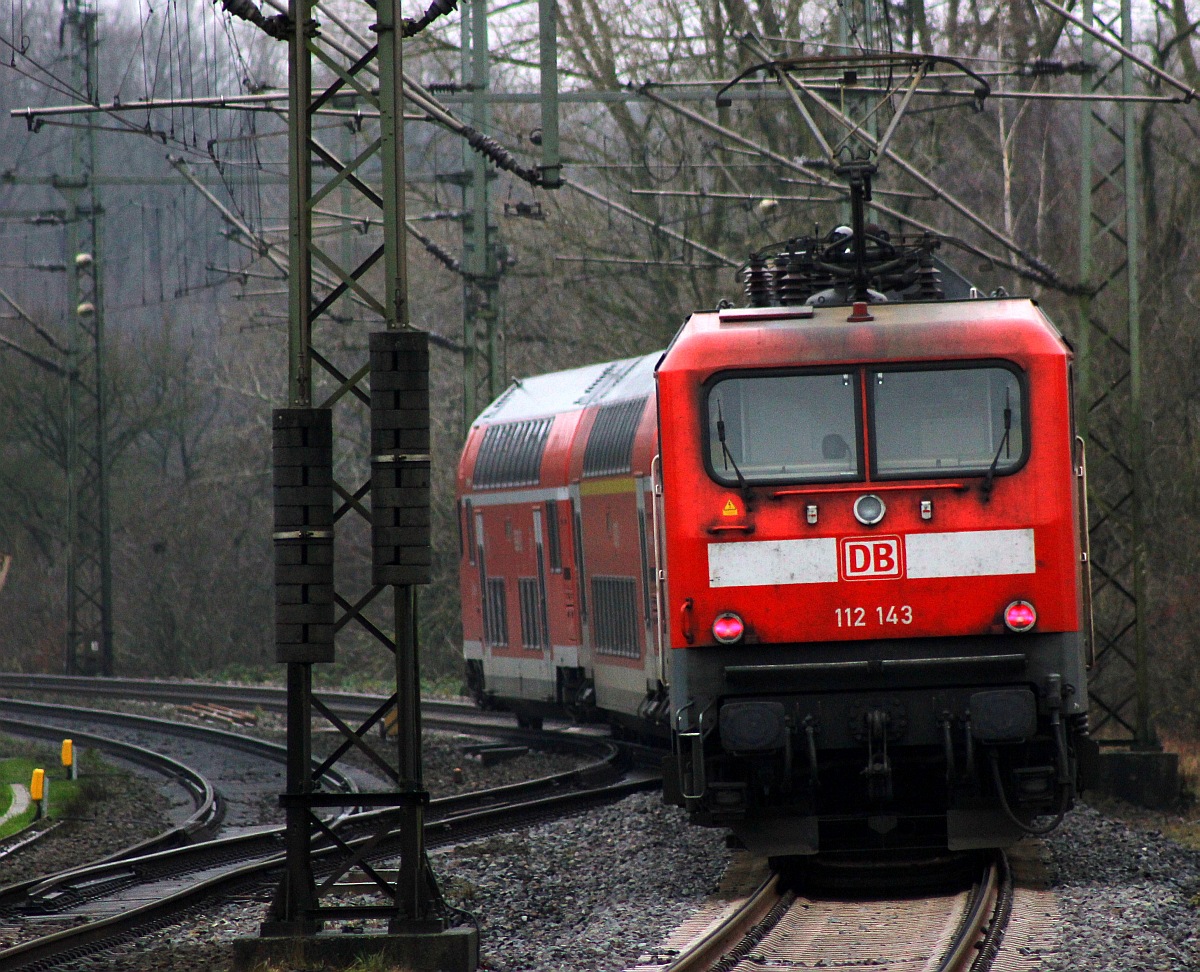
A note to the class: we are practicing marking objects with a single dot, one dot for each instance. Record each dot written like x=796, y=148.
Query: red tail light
x=1020, y=616
x=728, y=628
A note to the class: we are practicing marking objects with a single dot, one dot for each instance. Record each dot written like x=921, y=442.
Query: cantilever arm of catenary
x=1188, y=92
x=257, y=243
x=37, y=328
x=1039, y=274
x=269, y=250
x=419, y=96
x=646, y=221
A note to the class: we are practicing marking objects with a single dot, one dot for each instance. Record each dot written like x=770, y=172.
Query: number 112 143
x=860, y=617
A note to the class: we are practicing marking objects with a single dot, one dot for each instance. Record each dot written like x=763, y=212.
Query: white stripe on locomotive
x=970, y=553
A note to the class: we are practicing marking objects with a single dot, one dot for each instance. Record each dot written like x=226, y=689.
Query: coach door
x=495, y=606
x=540, y=621
x=585, y=641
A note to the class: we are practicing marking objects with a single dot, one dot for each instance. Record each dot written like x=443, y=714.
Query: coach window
x=946, y=421
x=553, y=544
x=784, y=428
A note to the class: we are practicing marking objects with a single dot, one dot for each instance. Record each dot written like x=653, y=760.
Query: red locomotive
x=836, y=551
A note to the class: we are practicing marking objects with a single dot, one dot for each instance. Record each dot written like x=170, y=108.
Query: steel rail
x=989, y=945
x=267, y=696
x=707, y=950
x=208, y=811
x=435, y=713
x=973, y=944
x=61, y=891
x=608, y=755
x=982, y=909
x=228, y=740
x=47, y=952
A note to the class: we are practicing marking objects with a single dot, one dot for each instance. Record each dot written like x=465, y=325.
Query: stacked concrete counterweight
x=303, y=463
x=400, y=518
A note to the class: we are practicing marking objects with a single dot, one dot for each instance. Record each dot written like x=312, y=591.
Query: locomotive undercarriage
x=916, y=747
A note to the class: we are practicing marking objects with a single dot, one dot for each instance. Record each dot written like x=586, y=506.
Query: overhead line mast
x=89, y=648
x=318, y=475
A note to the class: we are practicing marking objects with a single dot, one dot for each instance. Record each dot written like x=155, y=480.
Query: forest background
x=196, y=320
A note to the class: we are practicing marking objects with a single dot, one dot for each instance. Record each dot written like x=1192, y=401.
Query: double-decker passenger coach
x=557, y=572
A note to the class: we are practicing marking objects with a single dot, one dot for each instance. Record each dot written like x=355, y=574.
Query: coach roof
x=566, y=391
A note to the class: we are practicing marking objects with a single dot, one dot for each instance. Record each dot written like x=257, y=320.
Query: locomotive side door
x=645, y=497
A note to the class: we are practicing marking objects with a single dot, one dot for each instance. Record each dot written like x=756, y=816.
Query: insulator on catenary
x=501, y=157
x=1044, y=67
x=402, y=552
x=303, y=461
x=446, y=258
x=277, y=26
x=439, y=8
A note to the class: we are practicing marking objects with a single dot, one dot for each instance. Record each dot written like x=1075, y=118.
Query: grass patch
x=1189, y=762
x=444, y=687
x=65, y=796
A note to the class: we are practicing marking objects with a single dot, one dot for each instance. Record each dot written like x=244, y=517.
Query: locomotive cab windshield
x=922, y=423
x=784, y=428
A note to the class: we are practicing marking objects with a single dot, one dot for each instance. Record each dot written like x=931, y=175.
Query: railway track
x=761, y=921
x=208, y=807
x=112, y=902
x=268, y=697
x=254, y=773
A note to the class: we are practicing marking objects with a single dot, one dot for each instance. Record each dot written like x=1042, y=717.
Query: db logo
x=869, y=558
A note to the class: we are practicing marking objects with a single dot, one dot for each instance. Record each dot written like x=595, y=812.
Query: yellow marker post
x=37, y=792
x=68, y=759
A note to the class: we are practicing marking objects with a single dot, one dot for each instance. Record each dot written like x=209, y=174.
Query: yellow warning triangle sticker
x=730, y=508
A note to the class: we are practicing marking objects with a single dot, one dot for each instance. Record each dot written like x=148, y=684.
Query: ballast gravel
x=1129, y=899
x=593, y=892
x=590, y=893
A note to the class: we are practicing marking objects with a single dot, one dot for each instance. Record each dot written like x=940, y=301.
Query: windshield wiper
x=729, y=460
x=990, y=479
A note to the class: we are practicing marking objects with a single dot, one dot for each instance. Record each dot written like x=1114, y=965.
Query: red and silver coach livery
x=833, y=547
x=557, y=571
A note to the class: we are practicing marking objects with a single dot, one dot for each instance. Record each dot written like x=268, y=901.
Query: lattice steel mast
x=89, y=648
x=482, y=380
x=1110, y=388
x=308, y=604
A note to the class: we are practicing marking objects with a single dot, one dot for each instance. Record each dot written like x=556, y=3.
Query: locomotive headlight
x=1020, y=616
x=869, y=509
x=728, y=628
